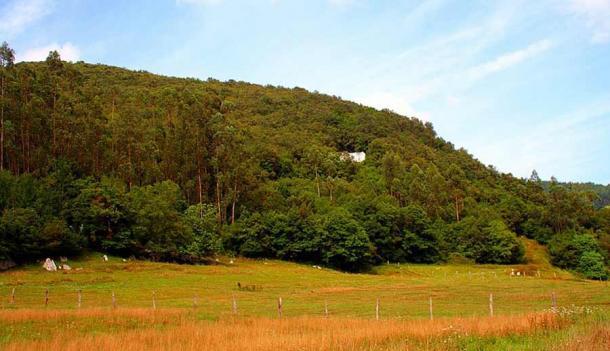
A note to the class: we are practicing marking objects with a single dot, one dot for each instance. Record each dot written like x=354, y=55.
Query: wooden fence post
x=154, y=300
x=195, y=301
x=491, y=305
x=46, y=297
x=13, y=297
x=326, y=308
x=113, y=300
x=80, y=298
x=430, y=306
x=234, y=305
x=279, y=307
x=377, y=309
x=554, y=302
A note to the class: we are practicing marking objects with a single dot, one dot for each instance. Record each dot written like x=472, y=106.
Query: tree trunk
x=317, y=181
x=457, y=209
x=234, y=201
x=53, y=132
x=199, y=185
x=2, y=129
x=218, y=200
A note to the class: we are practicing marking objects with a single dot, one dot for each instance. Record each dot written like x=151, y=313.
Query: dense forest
x=600, y=193
x=101, y=158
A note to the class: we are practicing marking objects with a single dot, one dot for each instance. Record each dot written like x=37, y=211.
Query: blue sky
x=520, y=84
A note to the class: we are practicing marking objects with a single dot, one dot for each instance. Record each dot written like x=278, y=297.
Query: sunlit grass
x=187, y=294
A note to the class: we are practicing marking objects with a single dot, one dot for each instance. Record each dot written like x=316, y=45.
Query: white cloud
x=443, y=74
x=453, y=100
x=391, y=101
x=567, y=146
x=596, y=14
x=341, y=2
x=67, y=51
x=510, y=59
x=198, y=2
x=17, y=15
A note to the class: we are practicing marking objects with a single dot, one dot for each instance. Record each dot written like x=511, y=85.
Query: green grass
x=403, y=290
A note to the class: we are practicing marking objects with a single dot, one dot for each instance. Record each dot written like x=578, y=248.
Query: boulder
x=66, y=267
x=105, y=258
x=49, y=265
x=7, y=264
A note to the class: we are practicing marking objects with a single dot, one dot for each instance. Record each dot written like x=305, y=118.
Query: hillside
x=172, y=169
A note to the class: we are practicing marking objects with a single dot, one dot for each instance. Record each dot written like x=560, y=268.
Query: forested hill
x=174, y=169
x=601, y=193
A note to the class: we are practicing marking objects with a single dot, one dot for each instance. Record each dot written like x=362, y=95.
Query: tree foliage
x=173, y=169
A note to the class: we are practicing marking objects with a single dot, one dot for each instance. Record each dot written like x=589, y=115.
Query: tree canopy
x=175, y=169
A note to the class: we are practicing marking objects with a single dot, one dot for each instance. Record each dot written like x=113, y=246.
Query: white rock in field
x=66, y=267
x=49, y=265
x=105, y=258
x=231, y=262
x=124, y=260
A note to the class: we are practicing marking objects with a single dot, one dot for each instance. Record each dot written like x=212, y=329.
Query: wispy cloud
x=446, y=78
x=17, y=15
x=341, y=2
x=442, y=65
x=67, y=51
x=198, y=2
x=596, y=14
x=389, y=100
x=510, y=59
x=566, y=144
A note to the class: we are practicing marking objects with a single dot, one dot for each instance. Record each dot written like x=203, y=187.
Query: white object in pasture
x=49, y=265
x=105, y=258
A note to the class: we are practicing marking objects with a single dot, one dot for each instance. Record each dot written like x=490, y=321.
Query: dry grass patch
x=302, y=333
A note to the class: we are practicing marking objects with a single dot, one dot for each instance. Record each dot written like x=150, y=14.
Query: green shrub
x=591, y=265
x=567, y=248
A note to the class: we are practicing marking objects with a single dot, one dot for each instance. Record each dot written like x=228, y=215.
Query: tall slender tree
x=7, y=59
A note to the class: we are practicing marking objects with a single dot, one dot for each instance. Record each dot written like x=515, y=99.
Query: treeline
x=599, y=193
x=180, y=169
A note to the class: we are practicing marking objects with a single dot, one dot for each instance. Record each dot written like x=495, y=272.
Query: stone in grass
x=7, y=264
x=49, y=265
x=66, y=267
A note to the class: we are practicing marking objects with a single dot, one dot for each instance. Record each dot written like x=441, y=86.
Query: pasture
x=321, y=308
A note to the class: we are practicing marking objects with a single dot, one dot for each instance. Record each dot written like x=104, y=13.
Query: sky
x=521, y=85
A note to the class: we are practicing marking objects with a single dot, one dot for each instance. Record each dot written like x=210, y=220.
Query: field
x=203, y=305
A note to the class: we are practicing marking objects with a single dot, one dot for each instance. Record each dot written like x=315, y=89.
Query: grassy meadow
x=195, y=304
